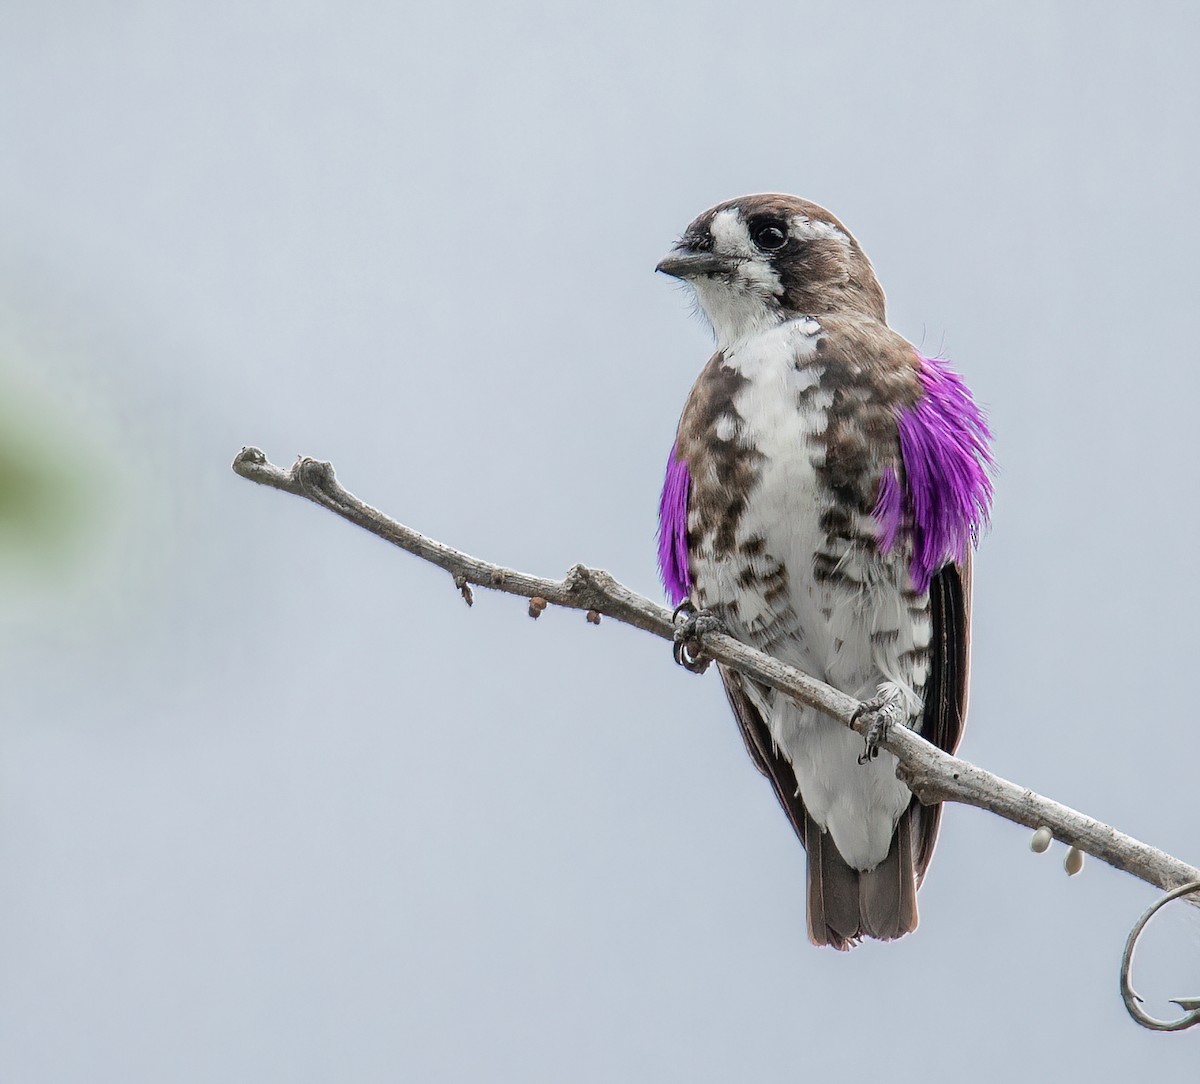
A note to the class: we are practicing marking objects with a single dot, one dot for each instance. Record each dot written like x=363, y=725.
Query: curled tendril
x=1191, y=1005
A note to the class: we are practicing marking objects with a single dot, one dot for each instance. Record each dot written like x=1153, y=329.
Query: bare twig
x=933, y=776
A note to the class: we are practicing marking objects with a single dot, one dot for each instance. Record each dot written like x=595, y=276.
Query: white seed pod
x=1073, y=863
x=1041, y=840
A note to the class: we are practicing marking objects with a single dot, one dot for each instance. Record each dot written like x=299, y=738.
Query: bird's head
x=759, y=260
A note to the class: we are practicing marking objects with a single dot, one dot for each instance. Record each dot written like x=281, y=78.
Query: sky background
x=275, y=805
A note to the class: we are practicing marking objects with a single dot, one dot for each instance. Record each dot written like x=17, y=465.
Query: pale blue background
x=275, y=805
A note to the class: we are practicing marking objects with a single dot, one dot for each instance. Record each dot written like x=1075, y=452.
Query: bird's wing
x=944, y=501
x=946, y=690
x=761, y=748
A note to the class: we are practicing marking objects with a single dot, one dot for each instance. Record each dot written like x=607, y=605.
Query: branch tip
x=249, y=457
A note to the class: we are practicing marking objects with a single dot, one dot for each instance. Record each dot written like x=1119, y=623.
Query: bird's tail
x=846, y=905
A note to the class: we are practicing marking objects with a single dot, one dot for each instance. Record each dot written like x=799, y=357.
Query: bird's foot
x=884, y=710
x=690, y=625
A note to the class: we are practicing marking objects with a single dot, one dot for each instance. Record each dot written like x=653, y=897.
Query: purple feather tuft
x=672, y=531
x=889, y=508
x=947, y=489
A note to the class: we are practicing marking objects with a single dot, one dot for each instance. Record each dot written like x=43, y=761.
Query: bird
x=823, y=497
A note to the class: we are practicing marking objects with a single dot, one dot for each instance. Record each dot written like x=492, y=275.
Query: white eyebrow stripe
x=811, y=229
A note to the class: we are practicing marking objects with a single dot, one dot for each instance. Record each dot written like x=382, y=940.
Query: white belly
x=824, y=629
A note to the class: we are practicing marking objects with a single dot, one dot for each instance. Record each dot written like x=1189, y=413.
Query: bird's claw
x=885, y=711
x=690, y=625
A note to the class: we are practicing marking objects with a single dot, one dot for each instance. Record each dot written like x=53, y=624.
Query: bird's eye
x=769, y=236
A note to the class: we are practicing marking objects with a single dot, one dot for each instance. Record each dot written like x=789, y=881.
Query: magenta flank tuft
x=889, y=508
x=947, y=491
x=672, y=531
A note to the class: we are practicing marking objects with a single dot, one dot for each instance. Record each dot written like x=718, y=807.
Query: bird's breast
x=781, y=536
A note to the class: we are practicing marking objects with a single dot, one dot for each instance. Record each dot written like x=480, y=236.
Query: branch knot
x=313, y=475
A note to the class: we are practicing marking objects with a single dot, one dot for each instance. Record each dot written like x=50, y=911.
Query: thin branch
x=931, y=774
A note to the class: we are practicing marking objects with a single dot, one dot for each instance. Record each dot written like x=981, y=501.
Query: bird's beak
x=683, y=262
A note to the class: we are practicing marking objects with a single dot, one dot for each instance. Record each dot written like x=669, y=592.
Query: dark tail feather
x=833, y=915
x=845, y=905
x=888, y=893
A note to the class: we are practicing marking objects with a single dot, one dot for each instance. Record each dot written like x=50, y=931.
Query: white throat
x=737, y=311
x=743, y=303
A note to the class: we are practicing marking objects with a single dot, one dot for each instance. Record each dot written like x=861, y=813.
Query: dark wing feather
x=946, y=691
x=762, y=750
